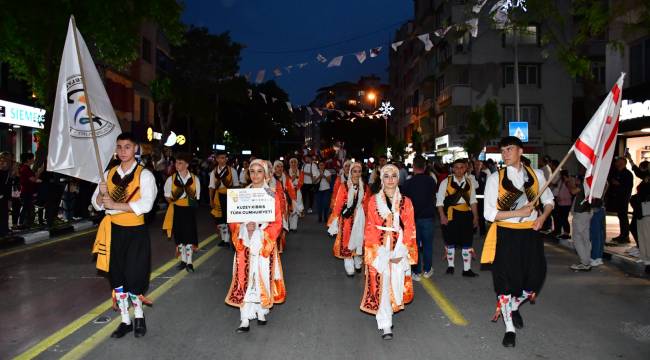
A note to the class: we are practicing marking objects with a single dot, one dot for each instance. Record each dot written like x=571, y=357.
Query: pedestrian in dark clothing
x=421, y=189
x=620, y=190
x=28, y=187
x=5, y=192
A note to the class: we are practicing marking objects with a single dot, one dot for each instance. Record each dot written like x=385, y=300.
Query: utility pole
x=516, y=72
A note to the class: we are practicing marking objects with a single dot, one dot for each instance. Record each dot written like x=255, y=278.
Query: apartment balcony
x=457, y=95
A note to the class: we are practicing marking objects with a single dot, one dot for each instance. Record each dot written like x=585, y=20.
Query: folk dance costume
x=122, y=244
x=283, y=187
x=455, y=197
x=514, y=249
x=347, y=222
x=257, y=278
x=341, y=178
x=297, y=178
x=389, y=235
x=182, y=193
x=222, y=179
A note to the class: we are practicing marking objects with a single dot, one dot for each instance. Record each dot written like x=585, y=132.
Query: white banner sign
x=250, y=205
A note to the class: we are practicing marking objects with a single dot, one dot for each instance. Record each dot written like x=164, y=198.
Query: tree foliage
x=484, y=125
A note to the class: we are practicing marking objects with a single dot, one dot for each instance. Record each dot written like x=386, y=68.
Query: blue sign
x=519, y=129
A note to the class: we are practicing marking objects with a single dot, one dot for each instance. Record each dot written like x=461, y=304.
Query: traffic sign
x=519, y=129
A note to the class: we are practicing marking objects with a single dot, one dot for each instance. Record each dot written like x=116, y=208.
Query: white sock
x=123, y=303
x=181, y=250
x=506, y=301
x=244, y=323
x=518, y=301
x=223, y=230
x=387, y=330
x=188, y=253
x=349, y=266
x=467, y=259
x=358, y=261
x=261, y=316
x=137, y=306
x=451, y=253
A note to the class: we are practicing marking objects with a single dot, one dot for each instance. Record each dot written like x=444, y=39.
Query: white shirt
x=442, y=189
x=213, y=179
x=184, y=179
x=518, y=178
x=324, y=182
x=311, y=173
x=148, y=191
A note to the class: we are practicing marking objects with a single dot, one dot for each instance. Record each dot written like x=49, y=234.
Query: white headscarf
x=397, y=198
x=351, y=185
x=263, y=164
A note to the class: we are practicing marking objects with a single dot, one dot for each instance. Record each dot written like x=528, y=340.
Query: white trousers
x=293, y=221
x=385, y=313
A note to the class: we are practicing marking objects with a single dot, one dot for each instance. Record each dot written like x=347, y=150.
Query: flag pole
x=553, y=175
x=89, y=111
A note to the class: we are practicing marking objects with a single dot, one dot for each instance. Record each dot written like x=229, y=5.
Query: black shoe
x=469, y=273
x=517, y=320
x=357, y=270
x=222, y=244
x=261, y=322
x=122, y=330
x=242, y=329
x=387, y=336
x=349, y=275
x=140, y=327
x=189, y=268
x=509, y=339
x=621, y=240
x=181, y=266
x=450, y=270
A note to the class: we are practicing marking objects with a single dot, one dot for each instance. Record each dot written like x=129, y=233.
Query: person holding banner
x=456, y=203
x=257, y=279
x=182, y=191
x=348, y=219
x=297, y=179
x=282, y=184
x=222, y=178
x=122, y=245
x=390, y=250
x=513, y=244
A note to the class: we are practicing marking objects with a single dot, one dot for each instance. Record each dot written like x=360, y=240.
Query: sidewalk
x=615, y=253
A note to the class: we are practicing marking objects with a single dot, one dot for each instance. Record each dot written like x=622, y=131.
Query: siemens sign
x=22, y=115
x=632, y=110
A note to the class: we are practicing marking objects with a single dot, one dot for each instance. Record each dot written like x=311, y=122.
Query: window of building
x=528, y=35
x=598, y=71
x=144, y=110
x=146, y=50
x=640, y=62
x=529, y=113
x=529, y=74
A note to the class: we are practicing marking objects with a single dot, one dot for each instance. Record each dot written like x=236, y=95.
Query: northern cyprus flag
x=595, y=146
x=71, y=149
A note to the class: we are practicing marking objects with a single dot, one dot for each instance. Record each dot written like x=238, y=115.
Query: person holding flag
x=122, y=245
x=222, y=178
x=182, y=191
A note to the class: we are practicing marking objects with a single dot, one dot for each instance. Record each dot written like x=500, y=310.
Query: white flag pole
x=89, y=111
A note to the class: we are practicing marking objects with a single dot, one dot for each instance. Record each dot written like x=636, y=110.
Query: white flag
x=302, y=65
x=428, y=45
x=289, y=106
x=361, y=56
x=263, y=97
x=396, y=44
x=595, y=145
x=321, y=58
x=374, y=52
x=260, y=76
x=335, y=61
x=473, y=26
x=71, y=147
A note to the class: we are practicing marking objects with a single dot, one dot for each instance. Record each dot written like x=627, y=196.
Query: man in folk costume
x=222, y=178
x=281, y=183
x=257, y=278
x=348, y=219
x=122, y=244
x=456, y=202
x=182, y=191
x=513, y=244
x=389, y=251
x=297, y=178
x=341, y=178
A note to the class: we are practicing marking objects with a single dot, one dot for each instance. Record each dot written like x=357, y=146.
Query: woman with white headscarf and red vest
x=281, y=183
x=257, y=278
x=390, y=249
x=297, y=178
x=348, y=219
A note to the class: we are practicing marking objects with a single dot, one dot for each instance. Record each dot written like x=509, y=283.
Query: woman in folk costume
x=389, y=251
x=182, y=191
x=297, y=178
x=257, y=278
x=281, y=183
x=348, y=219
x=341, y=178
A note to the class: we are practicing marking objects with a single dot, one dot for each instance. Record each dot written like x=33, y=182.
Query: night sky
x=298, y=30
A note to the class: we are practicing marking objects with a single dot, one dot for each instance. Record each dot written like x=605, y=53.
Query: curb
x=624, y=263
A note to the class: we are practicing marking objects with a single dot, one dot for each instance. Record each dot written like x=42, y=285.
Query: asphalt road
x=602, y=314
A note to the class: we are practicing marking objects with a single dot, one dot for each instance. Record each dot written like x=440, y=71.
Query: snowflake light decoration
x=284, y=131
x=386, y=109
x=509, y=4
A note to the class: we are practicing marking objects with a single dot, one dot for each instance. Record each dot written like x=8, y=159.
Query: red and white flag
x=595, y=146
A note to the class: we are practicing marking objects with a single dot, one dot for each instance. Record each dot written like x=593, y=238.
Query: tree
x=483, y=126
x=32, y=42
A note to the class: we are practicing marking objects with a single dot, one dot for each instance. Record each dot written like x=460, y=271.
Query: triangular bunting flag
x=277, y=72
x=260, y=76
x=361, y=56
x=289, y=106
x=396, y=44
x=263, y=97
x=335, y=61
x=374, y=52
x=428, y=45
x=321, y=59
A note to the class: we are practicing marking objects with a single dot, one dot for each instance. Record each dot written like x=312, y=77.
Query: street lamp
x=372, y=97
